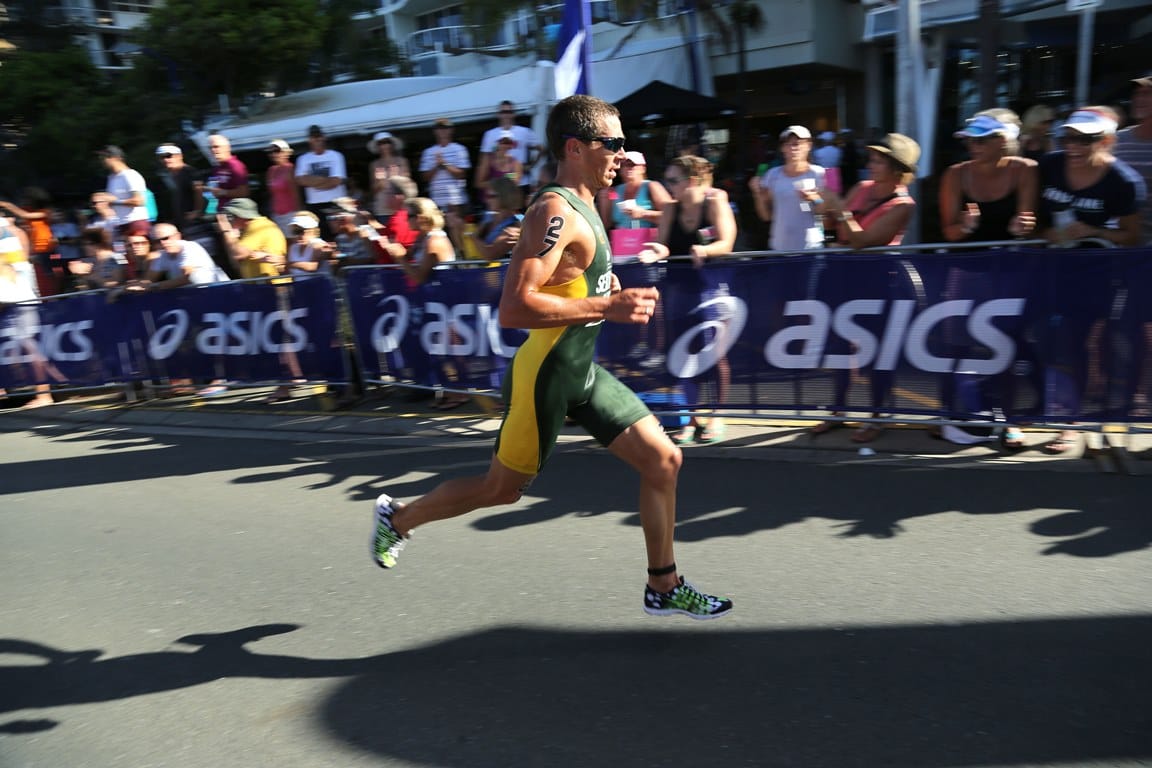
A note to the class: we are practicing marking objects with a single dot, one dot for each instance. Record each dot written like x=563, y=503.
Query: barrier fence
x=1048, y=336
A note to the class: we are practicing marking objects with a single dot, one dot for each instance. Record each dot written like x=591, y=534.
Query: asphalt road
x=198, y=600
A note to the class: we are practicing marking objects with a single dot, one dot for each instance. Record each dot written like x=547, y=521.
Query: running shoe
x=687, y=600
x=386, y=540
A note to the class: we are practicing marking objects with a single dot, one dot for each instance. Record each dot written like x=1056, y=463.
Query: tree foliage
x=233, y=47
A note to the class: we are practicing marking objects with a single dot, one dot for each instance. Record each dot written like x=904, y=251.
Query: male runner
x=560, y=286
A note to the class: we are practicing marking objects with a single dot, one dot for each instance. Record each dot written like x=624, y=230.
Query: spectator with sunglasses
x=697, y=222
x=179, y=189
x=1134, y=143
x=1084, y=195
x=525, y=146
x=992, y=195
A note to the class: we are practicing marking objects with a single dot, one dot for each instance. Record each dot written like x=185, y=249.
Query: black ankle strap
x=662, y=571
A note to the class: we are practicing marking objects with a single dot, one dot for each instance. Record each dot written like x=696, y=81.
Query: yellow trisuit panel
x=553, y=376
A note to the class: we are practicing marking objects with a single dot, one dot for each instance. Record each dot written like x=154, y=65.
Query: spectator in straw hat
x=874, y=212
x=388, y=163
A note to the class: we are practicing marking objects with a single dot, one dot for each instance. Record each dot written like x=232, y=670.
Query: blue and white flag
x=574, y=49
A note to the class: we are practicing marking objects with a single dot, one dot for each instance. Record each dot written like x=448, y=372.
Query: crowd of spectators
x=1069, y=179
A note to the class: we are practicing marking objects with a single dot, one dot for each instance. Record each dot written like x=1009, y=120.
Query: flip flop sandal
x=1013, y=439
x=709, y=434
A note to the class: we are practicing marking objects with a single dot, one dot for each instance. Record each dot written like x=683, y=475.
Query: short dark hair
x=577, y=115
x=96, y=236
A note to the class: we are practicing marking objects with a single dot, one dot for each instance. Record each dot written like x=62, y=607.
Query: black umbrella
x=659, y=103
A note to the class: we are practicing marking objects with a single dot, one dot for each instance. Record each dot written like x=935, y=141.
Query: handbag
x=629, y=242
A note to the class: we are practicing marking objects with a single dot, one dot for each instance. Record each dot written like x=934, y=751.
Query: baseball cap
x=986, y=125
x=1145, y=81
x=902, y=149
x=169, y=149
x=1089, y=123
x=278, y=145
x=111, y=151
x=243, y=208
x=304, y=221
x=315, y=130
x=798, y=131
x=443, y=122
x=636, y=158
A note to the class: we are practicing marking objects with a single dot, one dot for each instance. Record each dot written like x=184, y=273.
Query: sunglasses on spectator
x=167, y=156
x=1079, y=139
x=166, y=238
x=611, y=143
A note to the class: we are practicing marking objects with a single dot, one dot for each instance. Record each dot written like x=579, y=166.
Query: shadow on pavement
x=719, y=497
x=979, y=694
x=1012, y=693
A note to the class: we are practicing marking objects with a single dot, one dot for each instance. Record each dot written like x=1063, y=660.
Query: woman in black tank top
x=698, y=223
x=993, y=195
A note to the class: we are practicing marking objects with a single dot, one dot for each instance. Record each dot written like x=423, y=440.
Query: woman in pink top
x=875, y=212
x=283, y=194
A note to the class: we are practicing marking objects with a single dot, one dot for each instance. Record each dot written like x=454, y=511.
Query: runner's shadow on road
x=1008, y=693
x=1040, y=692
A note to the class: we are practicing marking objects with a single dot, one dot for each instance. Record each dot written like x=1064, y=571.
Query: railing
x=1065, y=313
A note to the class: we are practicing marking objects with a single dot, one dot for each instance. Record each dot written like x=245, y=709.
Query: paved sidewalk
x=385, y=413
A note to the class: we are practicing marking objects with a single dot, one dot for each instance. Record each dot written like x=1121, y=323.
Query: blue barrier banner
x=1032, y=334
x=243, y=332
x=444, y=333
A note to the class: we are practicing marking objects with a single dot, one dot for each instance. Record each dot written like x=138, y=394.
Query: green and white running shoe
x=386, y=540
x=686, y=600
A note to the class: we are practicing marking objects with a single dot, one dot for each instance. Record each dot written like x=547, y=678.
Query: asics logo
x=168, y=335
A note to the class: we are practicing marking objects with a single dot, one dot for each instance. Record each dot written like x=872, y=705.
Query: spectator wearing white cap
x=280, y=180
x=791, y=196
x=826, y=154
x=1083, y=194
x=1134, y=144
x=992, y=195
x=526, y=148
x=388, y=164
x=180, y=191
x=637, y=202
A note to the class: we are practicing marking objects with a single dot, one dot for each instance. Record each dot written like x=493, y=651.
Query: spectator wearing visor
x=991, y=196
x=1084, y=194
